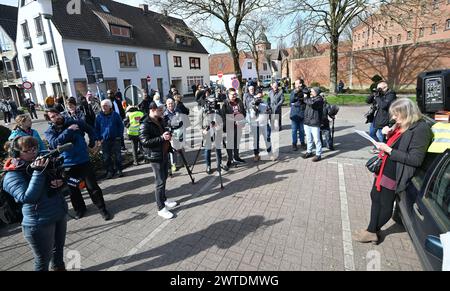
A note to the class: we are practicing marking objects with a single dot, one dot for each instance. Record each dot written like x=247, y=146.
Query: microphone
x=58, y=150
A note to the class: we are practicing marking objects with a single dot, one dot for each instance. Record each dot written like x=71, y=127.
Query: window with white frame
x=28, y=63
x=433, y=28
x=25, y=31
x=249, y=65
x=50, y=58
x=127, y=60
x=194, y=63
x=177, y=62
x=39, y=26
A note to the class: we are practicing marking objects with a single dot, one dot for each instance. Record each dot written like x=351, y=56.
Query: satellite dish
x=133, y=95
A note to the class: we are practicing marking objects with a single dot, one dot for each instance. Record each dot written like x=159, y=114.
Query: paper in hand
x=366, y=136
x=445, y=240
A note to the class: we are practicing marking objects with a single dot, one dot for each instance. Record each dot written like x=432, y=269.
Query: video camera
x=211, y=105
x=54, y=168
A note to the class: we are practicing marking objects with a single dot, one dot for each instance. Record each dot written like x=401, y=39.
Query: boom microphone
x=58, y=150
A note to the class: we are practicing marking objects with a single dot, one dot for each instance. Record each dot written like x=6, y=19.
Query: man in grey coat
x=276, y=99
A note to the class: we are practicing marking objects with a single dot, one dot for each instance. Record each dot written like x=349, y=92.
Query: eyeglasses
x=32, y=150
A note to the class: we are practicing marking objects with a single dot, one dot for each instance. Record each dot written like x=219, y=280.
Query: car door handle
x=417, y=211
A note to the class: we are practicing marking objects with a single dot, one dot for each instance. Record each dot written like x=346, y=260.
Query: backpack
x=10, y=210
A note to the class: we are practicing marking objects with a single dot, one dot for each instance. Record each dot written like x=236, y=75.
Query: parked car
x=266, y=83
x=424, y=208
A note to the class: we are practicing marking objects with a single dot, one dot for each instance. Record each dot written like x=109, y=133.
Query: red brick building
x=397, y=43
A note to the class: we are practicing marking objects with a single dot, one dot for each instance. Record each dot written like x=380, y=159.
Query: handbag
x=374, y=164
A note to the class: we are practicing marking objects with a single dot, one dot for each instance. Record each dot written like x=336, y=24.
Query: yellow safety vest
x=441, y=139
x=135, y=118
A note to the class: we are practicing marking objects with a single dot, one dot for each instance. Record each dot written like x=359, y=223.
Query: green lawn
x=344, y=99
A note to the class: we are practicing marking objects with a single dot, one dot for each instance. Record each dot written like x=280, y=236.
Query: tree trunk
x=334, y=63
x=237, y=67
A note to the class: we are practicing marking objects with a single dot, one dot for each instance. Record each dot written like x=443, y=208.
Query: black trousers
x=234, y=153
x=7, y=117
x=32, y=113
x=85, y=172
x=381, y=209
x=161, y=171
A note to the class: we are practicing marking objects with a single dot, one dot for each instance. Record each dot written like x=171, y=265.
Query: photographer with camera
x=212, y=132
x=44, y=208
x=313, y=120
x=297, y=114
x=156, y=143
x=76, y=160
x=259, y=117
x=382, y=101
x=172, y=120
x=233, y=116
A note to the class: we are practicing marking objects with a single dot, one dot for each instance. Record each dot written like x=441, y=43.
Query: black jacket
x=150, y=136
x=411, y=152
x=383, y=102
x=313, y=111
x=119, y=105
x=228, y=109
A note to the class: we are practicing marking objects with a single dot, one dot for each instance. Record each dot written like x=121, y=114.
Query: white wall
x=246, y=73
x=67, y=52
x=226, y=79
x=41, y=71
x=109, y=56
x=185, y=71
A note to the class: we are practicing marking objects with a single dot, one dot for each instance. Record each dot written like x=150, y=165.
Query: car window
x=419, y=175
x=439, y=193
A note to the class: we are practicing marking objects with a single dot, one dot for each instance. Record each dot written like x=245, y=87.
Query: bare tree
x=304, y=40
x=330, y=18
x=218, y=20
x=252, y=29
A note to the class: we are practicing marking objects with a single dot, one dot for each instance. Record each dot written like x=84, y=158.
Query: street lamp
x=61, y=84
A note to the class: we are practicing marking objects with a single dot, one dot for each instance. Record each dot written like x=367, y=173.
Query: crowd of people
x=156, y=128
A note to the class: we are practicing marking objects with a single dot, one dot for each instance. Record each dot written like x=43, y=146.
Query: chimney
x=144, y=7
x=164, y=12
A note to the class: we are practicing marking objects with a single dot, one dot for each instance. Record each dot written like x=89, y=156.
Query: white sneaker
x=170, y=204
x=164, y=213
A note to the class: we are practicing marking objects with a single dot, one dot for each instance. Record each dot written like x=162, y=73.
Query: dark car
x=424, y=208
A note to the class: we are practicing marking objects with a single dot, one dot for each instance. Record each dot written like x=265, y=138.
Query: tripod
x=213, y=138
x=183, y=158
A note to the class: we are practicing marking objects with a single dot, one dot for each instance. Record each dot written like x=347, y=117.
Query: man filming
x=297, y=115
x=383, y=99
x=44, y=208
x=156, y=143
x=259, y=118
x=212, y=132
x=76, y=159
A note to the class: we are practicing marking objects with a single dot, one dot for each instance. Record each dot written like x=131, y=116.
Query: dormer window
x=104, y=8
x=183, y=40
x=120, y=31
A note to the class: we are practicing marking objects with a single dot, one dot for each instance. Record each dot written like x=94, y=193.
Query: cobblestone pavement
x=290, y=214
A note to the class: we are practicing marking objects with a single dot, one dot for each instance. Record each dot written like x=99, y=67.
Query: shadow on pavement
x=192, y=244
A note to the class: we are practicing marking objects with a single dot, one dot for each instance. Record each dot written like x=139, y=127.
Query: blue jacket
x=297, y=106
x=109, y=127
x=32, y=191
x=78, y=154
x=19, y=132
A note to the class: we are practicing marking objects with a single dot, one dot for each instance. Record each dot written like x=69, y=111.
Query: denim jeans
x=298, y=132
x=376, y=134
x=313, y=137
x=161, y=171
x=111, y=148
x=257, y=131
x=47, y=242
x=218, y=157
x=326, y=137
